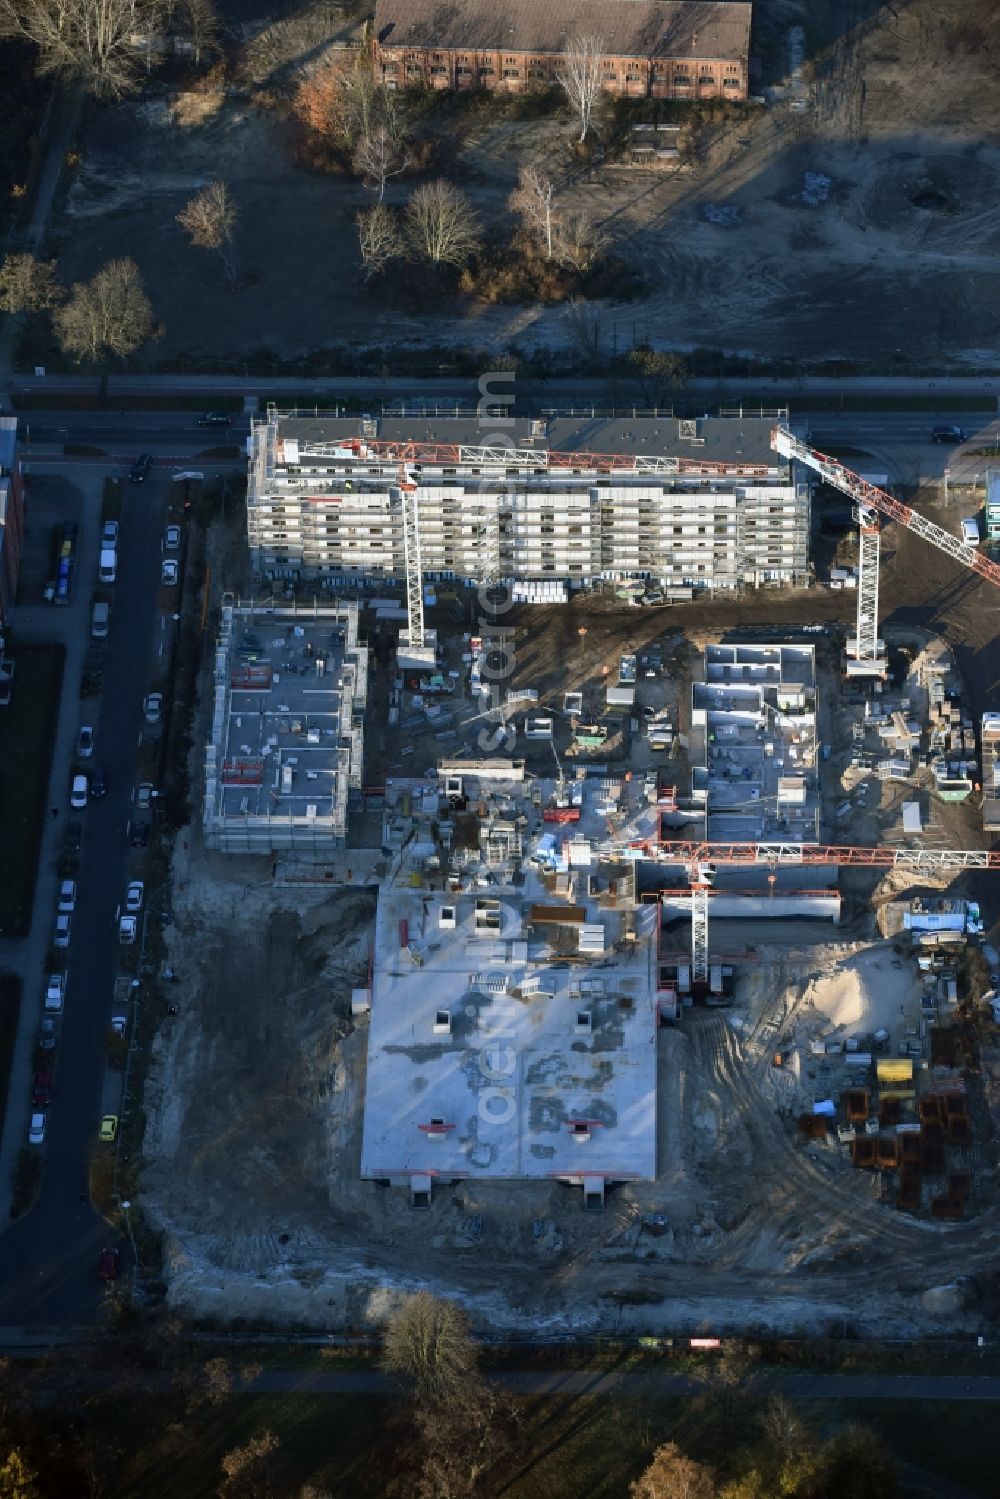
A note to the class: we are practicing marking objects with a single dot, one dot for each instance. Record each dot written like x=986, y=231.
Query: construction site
x=639, y=947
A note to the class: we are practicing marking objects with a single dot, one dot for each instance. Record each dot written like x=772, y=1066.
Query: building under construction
x=682, y=505
x=286, y=742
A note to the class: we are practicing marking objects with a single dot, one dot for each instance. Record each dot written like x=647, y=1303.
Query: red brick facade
x=681, y=52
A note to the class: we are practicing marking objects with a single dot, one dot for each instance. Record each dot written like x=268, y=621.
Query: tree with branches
x=199, y=22
x=580, y=77
x=672, y=1475
x=108, y=316
x=442, y=226
x=533, y=202
x=429, y=1342
x=90, y=41
x=378, y=156
x=578, y=241
x=210, y=219
x=29, y=285
x=344, y=101
x=379, y=239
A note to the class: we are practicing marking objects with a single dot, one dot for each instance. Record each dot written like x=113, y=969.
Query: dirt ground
x=894, y=118
x=255, y=1098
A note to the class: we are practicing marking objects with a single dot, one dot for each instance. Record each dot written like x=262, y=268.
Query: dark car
x=949, y=434
x=108, y=1264
x=140, y=468
x=47, y=1034
x=41, y=1092
x=98, y=784
x=138, y=835
x=215, y=419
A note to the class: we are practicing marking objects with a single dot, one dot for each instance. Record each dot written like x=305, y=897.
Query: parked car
x=215, y=419
x=140, y=468
x=55, y=991
x=109, y=1128
x=133, y=896
x=152, y=706
x=36, y=1130
x=109, y=534
x=6, y=681
x=118, y=1024
x=41, y=1090
x=47, y=1034
x=949, y=434
x=98, y=784
x=61, y=935
x=169, y=573
x=126, y=930
x=67, y=896
x=85, y=743
x=138, y=834
x=78, y=793
x=172, y=538
x=108, y=1262
x=144, y=794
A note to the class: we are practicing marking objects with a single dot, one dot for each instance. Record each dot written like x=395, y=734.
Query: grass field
x=27, y=731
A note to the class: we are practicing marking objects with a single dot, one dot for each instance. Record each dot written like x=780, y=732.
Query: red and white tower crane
x=871, y=502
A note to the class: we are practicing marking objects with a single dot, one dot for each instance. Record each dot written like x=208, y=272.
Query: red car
x=41, y=1091
x=107, y=1264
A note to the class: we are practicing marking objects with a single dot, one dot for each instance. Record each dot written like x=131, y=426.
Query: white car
x=118, y=1024
x=55, y=991
x=152, y=707
x=36, y=1130
x=78, y=793
x=172, y=538
x=133, y=896
x=85, y=743
x=168, y=573
x=67, y=896
x=126, y=930
x=61, y=935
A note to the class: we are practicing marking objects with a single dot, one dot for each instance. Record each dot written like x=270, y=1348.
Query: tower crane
x=702, y=861
x=410, y=508
x=871, y=503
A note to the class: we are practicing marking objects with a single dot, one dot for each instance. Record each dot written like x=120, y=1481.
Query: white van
x=970, y=530
x=108, y=569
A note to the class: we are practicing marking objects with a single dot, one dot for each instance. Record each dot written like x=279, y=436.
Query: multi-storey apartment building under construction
x=682, y=504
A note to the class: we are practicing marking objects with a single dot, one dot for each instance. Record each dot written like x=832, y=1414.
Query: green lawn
x=27, y=732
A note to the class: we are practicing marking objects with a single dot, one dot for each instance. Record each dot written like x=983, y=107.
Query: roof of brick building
x=627, y=28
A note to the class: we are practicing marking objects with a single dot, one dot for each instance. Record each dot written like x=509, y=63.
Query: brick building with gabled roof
x=663, y=49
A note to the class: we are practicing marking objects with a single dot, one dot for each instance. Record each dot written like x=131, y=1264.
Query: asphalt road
x=48, y=1258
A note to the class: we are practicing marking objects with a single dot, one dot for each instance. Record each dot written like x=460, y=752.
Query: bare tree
x=210, y=219
x=442, y=225
x=580, y=77
x=89, y=40
x=578, y=241
x=344, y=100
x=28, y=285
x=199, y=22
x=379, y=156
x=584, y=321
x=379, y=239
x=533, y=201
x=671, y=1475
x=108, y=315
x=429, y=1342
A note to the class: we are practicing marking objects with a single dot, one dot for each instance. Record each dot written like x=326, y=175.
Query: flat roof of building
x=730, y=439
x=494, y=1053
x=284, y=734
